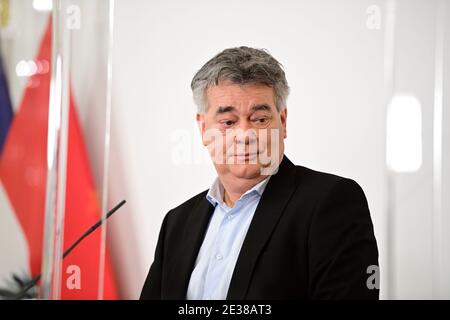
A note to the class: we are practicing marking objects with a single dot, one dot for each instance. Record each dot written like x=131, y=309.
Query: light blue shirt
x=220, y=249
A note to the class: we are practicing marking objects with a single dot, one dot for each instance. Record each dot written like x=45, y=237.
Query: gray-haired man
x=266, y=229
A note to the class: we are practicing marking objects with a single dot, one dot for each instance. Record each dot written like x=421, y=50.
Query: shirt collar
x=216, y=192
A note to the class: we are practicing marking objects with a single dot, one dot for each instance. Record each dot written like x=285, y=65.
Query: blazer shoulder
x=322, y=183
x=187, y=206
x=310, y=176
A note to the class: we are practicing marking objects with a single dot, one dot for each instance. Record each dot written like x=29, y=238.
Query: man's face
x=242, y=129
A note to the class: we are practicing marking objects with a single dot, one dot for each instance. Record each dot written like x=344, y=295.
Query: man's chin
x=245, y=170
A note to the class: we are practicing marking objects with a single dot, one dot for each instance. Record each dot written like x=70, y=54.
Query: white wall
x=334, y=65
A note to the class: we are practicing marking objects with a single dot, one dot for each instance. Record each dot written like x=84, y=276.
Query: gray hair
x=241, y=65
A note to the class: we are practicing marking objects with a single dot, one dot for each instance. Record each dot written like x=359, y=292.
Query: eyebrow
x=225, y=109
x=256, y=107
x=263, y=107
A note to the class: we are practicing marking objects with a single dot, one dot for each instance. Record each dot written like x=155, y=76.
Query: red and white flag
x=23, y=169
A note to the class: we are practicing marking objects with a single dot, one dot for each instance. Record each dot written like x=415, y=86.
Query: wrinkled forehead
x=240, y=98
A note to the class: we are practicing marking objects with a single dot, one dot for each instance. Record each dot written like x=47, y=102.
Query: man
x=266, y=229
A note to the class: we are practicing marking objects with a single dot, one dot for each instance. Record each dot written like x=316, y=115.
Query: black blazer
x=311, y=237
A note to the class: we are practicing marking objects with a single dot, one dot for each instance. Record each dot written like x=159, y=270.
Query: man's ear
x=201, y=125
x=283, y=117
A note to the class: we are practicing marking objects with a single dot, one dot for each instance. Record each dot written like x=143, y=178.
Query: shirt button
x=230, y=217
x=219, y=256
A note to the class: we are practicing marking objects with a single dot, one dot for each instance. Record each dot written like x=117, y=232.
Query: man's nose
x=245, y=133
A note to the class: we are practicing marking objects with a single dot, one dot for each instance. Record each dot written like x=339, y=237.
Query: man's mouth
x=246, y=156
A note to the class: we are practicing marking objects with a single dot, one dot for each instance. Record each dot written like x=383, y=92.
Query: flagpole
x=389, y=87
x=57, y=143
x=106, y=151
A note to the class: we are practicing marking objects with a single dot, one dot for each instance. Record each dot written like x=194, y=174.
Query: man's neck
x=233, y=191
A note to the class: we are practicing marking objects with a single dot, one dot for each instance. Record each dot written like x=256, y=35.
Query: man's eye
x=261, y=120
x=227, y=123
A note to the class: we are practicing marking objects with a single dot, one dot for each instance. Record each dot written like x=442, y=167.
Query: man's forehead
x=233, y=97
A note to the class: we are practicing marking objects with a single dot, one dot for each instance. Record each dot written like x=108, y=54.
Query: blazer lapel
x=271, y=205
x=183, y=264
